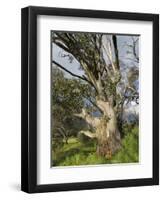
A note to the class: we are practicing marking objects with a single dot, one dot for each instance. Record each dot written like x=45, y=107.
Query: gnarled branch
x=89, y=134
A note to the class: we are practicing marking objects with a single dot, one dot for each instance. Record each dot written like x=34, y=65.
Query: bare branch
x=94, y=104
x=89, y=134
x=134, y=49
x=72, y=74
x=109, y=55
x=59, y=44
x=116, y=51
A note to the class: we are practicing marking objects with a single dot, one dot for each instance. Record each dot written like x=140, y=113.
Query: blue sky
x=122, y=40
x=126, y=60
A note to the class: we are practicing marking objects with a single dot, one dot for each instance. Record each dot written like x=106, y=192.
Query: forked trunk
x=106, y=129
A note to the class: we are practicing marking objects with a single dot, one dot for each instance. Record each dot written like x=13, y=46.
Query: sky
x=122, y=40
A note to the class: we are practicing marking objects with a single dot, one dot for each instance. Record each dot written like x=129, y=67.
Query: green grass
x=76, y=152
x=130, y=148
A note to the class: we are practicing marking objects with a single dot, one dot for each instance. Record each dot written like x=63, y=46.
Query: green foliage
x=77, y=152
x=66, y=94
x=67, y=99
x=130, y=148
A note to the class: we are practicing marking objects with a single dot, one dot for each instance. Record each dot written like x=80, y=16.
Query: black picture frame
x=29, y=99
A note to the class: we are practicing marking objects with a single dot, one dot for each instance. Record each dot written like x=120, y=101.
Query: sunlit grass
x=76, y=152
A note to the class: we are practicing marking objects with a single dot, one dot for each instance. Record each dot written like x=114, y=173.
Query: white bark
x=93, y=121
x=106, y=129
x=89, y=134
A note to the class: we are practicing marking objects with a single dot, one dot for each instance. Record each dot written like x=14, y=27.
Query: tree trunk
x=107, y=133
x=106, y=129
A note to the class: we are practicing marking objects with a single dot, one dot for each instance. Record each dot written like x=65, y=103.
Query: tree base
x=108, y=148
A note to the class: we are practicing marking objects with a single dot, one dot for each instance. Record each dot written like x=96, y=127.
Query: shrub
x=130, y=148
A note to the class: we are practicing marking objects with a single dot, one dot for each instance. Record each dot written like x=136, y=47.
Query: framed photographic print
x=90, y=99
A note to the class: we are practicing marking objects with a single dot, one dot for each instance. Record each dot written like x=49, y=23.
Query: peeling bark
x=108, y=135
x=106, y=129
x=89, y=134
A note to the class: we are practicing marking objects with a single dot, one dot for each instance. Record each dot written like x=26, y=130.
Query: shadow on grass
x=80, y=149
x=84, y=153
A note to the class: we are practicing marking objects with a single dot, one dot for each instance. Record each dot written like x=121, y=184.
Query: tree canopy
x=106, y=85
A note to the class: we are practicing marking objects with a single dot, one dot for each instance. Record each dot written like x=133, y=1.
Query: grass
x=76, y=152
x=130, y=148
